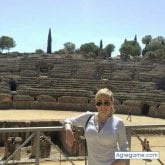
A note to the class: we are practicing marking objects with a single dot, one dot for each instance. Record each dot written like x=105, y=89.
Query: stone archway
x=13, y=84
x=145, y=109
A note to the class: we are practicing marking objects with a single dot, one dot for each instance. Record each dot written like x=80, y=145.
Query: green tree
x=135, y=38
x=150, y=55
x=49, y=42
x=154, y=45
x=69, y=47
x=101, y=45
x=130, y=48
x=89, y=48
x=60, y=51
x=156, y=48
x=6, y=42
x=146, y=40
x=109, y=49
x=39, y=51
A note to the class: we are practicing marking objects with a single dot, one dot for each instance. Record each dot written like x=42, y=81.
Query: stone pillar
x=45, y=147
x=42, y=147
x=81, y=142
x=79, y=145
x=5, y=149
x=17, y=143
x=33, y=148
x=82, y=146
x=9, y=148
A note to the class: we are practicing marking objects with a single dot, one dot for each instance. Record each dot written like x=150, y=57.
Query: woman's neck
x=102, y=119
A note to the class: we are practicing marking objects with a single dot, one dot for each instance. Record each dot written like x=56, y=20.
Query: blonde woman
x=105, y=133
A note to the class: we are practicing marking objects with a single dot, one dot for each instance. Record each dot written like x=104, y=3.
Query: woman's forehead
x=103, y=97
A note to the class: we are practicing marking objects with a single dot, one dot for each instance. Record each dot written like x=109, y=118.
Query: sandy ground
x=60, y=115
x=157, y=142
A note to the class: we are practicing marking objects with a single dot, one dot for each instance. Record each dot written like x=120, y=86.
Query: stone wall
x=47, y=82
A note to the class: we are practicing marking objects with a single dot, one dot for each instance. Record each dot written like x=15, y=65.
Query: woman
x=104, y=132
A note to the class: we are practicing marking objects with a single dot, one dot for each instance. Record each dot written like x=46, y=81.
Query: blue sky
x=80, y=21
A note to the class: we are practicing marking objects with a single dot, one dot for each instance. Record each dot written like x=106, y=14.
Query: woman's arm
x=69, y=136
x=122, y=138
x=79, y=120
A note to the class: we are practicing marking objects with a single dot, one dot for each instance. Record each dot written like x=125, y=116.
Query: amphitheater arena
x=35, y=90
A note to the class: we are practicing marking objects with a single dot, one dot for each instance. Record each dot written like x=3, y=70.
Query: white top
x=102, y=144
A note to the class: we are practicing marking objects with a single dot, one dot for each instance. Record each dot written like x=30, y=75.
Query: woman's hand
x=69, y=136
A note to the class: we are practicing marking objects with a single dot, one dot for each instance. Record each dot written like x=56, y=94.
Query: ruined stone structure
x=45, y=148
x=48, y=82
x=11, y=144
x=11, y=141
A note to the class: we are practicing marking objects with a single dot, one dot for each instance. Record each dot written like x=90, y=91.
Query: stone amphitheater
x=49, y=82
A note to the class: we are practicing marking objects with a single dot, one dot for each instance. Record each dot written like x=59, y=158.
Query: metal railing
x=37, y=131
x=130, y=131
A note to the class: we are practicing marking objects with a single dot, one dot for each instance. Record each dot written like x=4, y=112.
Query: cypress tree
x=101, y=44
x=135, y=38
x=49, y=43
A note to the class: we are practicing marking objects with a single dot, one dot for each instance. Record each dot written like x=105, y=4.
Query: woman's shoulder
x=90, y=113
x=117, y=119
x=86, y=114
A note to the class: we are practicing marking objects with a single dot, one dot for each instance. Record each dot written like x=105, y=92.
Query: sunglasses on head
x=106, y=103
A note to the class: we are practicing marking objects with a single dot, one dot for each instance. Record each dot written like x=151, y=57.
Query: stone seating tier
x=43, y=74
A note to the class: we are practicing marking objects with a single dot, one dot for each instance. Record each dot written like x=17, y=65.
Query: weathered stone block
x=133, y=105
x=4, y=97
x=22, y=98
x=21, y=105
x=72, y=99
x=28, y=73
x=44, y=98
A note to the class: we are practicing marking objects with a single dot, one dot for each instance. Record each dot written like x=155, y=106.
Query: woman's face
x=104, y=105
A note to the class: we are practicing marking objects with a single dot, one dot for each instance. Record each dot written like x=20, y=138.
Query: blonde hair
x=105, y=92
